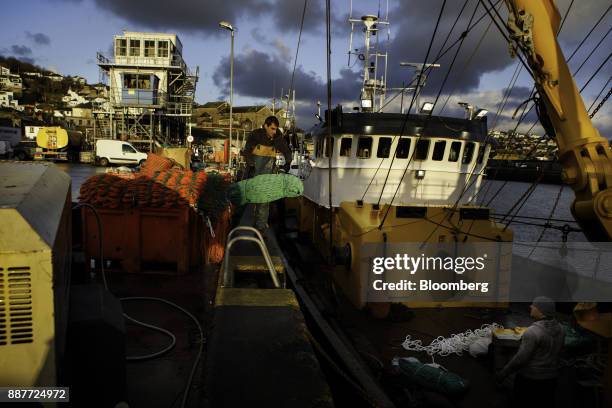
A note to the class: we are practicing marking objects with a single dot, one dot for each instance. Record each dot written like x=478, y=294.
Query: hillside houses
x=9, y=81
x=516, y=146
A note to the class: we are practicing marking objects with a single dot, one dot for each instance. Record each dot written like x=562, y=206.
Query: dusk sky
x=64, y=36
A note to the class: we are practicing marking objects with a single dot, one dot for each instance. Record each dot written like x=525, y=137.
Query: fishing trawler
x=394, y=177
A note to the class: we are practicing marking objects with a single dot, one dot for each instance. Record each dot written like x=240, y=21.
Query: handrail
x=228, y=278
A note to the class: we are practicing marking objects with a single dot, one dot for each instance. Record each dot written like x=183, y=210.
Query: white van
x=118, y=152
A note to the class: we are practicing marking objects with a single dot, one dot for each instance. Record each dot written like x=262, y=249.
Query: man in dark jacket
x=537, y=360
x=260, y=151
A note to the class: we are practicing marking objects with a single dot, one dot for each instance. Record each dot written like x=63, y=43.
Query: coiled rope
x=455, y=344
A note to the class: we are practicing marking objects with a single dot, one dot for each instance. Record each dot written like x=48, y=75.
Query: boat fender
x=431, y=376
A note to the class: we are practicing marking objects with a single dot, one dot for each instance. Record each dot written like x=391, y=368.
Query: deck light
x=420, y=174
x=427, y=107
x=481, y=113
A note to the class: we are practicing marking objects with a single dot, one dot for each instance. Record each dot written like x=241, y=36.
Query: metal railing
x=228, y=276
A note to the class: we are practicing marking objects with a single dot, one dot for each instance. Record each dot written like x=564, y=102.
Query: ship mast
x=374, y=85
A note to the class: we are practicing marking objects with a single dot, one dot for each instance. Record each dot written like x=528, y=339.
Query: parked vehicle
x=52, y=142
x=5, y=150
x=118, y=152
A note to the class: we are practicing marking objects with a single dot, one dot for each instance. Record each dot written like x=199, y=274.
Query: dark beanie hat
x=545, y=305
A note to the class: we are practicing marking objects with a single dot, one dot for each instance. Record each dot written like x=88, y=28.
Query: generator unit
x=35, y=258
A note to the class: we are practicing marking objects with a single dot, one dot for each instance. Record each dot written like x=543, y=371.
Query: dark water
x=79, y=173
x=539, y=204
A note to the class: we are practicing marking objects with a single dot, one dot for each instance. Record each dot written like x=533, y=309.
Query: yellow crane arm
x=585, y=155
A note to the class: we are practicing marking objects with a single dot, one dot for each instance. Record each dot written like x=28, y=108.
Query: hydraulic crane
x=585, y=155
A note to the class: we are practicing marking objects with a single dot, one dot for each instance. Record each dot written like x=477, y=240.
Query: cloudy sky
x=64, y=35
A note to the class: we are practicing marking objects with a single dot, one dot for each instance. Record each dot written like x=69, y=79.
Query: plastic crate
x=162, y=240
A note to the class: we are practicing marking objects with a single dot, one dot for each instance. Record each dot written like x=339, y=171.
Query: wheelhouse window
x=134, y=48
x=481, y=153
x=345, y=146
x=403, y=148
x=468, y=153
x=364, y=147
x=326, y=150
x=384, y=147
x=149, y=48
x=162, y=49
x=422, y=149
x=438, y=152
x=121, y=47
x=319, y=147
x=455, y=150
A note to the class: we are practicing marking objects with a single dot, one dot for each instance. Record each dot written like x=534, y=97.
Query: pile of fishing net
x=161, y=183
x=171, y=188
x=265, y=188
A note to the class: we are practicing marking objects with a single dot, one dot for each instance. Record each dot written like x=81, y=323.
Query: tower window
x=121, y=47
x=134, y=48
x=149, y=48
x=162, y=49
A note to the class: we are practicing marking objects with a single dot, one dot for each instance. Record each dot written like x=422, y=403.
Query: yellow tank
x=52, y=137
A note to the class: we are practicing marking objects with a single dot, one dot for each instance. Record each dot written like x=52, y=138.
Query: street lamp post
x=228, y=26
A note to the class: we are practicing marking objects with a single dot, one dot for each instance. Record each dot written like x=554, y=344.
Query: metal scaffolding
x=151, y=93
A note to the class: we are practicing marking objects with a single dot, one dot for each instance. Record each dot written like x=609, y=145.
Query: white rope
x=455, y=344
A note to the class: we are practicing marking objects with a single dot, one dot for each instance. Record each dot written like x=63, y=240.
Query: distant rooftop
x=248, y=109
x=213, y=104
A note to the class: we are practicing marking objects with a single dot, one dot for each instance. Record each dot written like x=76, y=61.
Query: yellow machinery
x=52, y=142
x=35, y=251
x=585, y=155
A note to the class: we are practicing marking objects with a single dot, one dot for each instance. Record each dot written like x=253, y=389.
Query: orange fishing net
x=216, y=245
x=155, y=163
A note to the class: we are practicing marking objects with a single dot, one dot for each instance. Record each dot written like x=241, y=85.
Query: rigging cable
x=465, y=3
x=450, y=67
x=599, y=94
x=603, y=101
x=438, y=96
x=478, y=20
x=297, y=50
x=592, y=51
x=530, y=191
x=497, y=24
x=596, y=72
x=523, y=114
x=407, y=116
x=407, y=113
x=467, y=63
x=586, y=37
x=502, y=103
x=329, y=126
x=552, y=212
